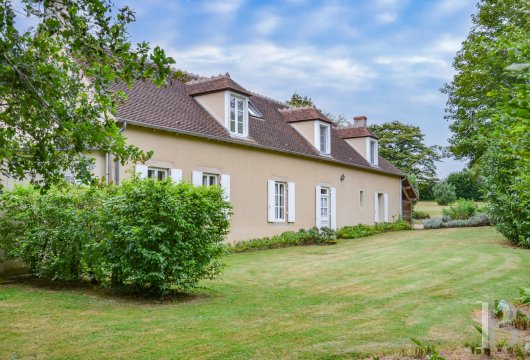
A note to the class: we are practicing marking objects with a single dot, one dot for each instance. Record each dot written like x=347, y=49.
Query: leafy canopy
x=56, y=81
x=297, y=100
x=403, y=145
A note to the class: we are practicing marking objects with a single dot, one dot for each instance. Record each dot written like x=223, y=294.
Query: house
x=282, y=168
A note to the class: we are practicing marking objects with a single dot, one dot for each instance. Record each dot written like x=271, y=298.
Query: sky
x=385, y=59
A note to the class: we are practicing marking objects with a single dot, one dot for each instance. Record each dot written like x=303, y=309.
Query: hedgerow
x=361, y=230
x=146, y=236
x=481, y=219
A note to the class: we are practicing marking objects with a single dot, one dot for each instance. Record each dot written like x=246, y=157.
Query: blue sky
x=386, y=59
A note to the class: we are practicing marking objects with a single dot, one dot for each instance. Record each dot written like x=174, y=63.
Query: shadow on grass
x=90, y=289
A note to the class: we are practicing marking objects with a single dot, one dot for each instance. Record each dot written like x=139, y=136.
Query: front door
x=325, y=214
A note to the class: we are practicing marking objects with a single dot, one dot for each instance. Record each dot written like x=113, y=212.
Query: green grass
x=435, y=210
x=361, y=296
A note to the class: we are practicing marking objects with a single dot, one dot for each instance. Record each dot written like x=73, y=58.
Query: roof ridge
x=203, y=79
x=268, y=98
x=294, y=108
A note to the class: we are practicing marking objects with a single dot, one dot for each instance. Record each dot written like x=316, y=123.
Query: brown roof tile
x=218, y=83
x=355, y=132
x=172, y=108
x=303, y=114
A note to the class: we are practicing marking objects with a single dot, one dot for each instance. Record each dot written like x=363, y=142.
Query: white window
x=361, y=198
x=325, y=218
x=237, y=110
x=372, y=151
x=281, y=201
x=326, y=207
x=210, y=179
x=323, y=137
x=156, y=173
x=253, y=110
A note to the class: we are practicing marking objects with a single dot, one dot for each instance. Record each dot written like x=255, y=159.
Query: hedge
x=361, y=230
x=481, y=219
x=145, y=236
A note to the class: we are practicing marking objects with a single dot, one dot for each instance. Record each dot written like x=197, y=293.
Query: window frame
x=228, y=114
x=210, y=176
x=280, y=201
x=319, y=125
x=361, y=198
x=157, y=170
x=372, y=151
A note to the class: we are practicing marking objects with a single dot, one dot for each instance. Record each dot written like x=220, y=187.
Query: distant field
x=433, y=209
x=363, y=296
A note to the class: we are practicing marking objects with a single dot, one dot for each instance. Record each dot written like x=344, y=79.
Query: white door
x=325, y=205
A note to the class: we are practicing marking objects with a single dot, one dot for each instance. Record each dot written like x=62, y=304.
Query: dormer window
x=323, y=137
x=373, y=152
x=253, y=110
x=237, y=117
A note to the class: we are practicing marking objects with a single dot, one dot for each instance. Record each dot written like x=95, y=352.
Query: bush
x=144, y=235
x=467, y=185
x=420, y=215
x=461, y=210
x=481, y=219
x=444, y=193
x=361, y=230
x=425, y=190
x=314, y=236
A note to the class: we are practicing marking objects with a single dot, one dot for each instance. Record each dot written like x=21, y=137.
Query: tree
x=56, y=85
x=480, y=69
x=467, y=185
x=297, y=100
x=444, y=193
x=403, y=145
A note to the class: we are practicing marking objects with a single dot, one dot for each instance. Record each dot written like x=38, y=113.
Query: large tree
x=56, y=82
x=403, y=145
x=298, y=100
x=480, y=69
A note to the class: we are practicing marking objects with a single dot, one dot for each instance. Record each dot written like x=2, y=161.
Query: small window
x=210, y=179
x=324, y=138
x=279, y=201
x=373, y=152
x=156, y=173
x=237, y=115
x=361, y=198
x=253, y=110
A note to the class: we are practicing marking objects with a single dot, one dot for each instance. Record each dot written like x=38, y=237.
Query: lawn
x=435, y=210
x=362, y=296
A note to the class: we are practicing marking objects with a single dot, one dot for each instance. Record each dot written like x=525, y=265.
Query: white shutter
x=176, y=175
x=270, y=200
x=225, y=185
x=376, y=206
x=333, y=208
x=317, y=207
x=291, y=202
x=385, y=201
x=196, y=178
x=140, y=171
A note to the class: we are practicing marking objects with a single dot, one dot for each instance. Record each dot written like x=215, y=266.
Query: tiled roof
x=172, y=108
x=217, y=83
x=296, y=114
x=355, y=132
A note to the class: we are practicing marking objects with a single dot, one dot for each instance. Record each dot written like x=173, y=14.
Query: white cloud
x=267, y=24
x=222, y=6
x=386, y=18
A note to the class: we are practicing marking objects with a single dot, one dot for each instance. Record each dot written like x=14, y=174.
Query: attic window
x=253, y=110
x=236, y=115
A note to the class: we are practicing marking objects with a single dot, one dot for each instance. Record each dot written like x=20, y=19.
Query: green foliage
x=420, y=215
x=427, y=351
x=313, y=236
x=461, y=210
x=361, y=230
x=425, y=190
x=481, y=219
x=297, y=100
x=467, y=185
x=404, y=146
x=524, y=295
x=145, y=235
x=50, y=113
x=444, y=193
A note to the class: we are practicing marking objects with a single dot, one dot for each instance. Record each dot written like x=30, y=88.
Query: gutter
x=244, y=143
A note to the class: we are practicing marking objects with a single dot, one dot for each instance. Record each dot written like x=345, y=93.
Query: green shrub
x=144, y=235
x=444, y=193
x=524, y=295
x=313, y=236
x=425, y=190
x=361, y=230
x=461, y=210
x=481, y=219
x=467, y=185
x=420, y=215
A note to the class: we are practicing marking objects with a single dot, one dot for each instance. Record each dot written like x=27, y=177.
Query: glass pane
x=240, y=104
x=150, y=173
x=240, y=123
x=232, y=103
x=323, y=138
x=161, y=175
x=205, y=180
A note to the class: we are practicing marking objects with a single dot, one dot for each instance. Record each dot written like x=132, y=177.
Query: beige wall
x=214, y=103
x=249, y=170
x=358, y=144
x=307, y=130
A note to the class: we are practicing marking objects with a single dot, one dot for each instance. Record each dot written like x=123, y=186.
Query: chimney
x=359, y=121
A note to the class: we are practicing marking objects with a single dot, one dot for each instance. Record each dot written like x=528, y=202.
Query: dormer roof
x=214, y=84
x=309, y=113
x=355, y=132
